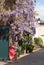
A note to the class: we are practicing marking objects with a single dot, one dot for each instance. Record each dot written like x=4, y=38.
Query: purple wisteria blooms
x=22, y=16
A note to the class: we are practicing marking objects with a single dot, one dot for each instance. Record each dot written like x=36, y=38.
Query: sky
x=40, y=8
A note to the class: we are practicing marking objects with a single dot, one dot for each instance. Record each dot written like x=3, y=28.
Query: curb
x=21, y=56
x=36, y=49
x=25, y=54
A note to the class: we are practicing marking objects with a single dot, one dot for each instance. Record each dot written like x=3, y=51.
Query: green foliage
x=30, y=47
x=17, y=52
x=30, y=39
x=25, y=42
x=23, y=47
x=38, y=41
x=27, y=37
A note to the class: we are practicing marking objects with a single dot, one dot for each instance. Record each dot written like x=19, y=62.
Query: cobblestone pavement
x=34, y=58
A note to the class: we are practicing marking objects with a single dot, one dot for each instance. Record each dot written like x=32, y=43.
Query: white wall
x=40, y=31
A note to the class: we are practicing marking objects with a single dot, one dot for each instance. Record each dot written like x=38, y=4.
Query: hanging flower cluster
x=22, y=18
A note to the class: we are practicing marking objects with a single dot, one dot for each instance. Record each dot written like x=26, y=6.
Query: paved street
x=35, y=58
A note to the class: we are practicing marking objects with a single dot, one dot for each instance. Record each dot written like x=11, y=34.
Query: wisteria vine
x=22, y=18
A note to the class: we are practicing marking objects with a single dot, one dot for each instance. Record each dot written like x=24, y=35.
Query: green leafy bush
x=23, y=47
x=26, y=41
x=29, y=48
x=38, y=41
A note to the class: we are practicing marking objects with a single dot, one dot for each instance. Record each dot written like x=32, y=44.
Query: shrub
x=27, y=37
x=38, y=41
x=29, y=48
x=23, y=47
x=26, y=41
